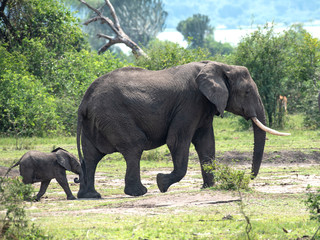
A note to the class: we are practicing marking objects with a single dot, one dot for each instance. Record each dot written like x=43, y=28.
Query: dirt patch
x=186, y=193
x=276, y=157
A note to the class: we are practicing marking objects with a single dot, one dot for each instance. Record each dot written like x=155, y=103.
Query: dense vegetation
x=46, y=65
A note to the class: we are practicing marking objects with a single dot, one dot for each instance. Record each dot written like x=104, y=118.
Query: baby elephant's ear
x=212, y=84
x=63, y=159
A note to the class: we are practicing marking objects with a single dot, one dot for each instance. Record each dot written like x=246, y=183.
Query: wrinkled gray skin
x=42, y=167
x=131, y=110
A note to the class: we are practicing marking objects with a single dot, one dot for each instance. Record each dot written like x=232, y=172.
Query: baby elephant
x=42, y=167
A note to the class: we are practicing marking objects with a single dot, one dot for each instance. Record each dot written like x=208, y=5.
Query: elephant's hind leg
x=91, y=158
x=43, y=189
x=133, y=185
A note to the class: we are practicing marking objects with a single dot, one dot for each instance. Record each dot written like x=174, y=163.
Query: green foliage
x=284, y=64
x=217, y=48
x=261, y=52
x=197, y=28
x=14, y=224
x=43, y=20
x=165, y=54
x=70, y=76
x=313, y=203
x=45, y=69
x=199, y=33
x=25, y=106
x=228, y=178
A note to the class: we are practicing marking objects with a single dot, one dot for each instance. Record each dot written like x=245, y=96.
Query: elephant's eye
x=248, y=91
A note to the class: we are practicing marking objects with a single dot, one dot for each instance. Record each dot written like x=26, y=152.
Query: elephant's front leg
x=180, y=155
x=63, y=182
x=43, y=189
x=204, y=143
x=133, y=185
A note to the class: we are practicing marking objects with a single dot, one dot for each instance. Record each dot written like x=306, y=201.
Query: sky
x=233, y=19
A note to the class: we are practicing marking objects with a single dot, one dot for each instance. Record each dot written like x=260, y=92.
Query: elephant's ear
x=211, y=83
x=63, y=159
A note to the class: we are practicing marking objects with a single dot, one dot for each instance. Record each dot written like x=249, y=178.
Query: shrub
x=313, y=203
x=165, y=54
x=228, y=178
x=14, y=224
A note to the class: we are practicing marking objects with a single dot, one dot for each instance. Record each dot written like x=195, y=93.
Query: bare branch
x=113, y=13
x=91, y=20
x=120, y=37
x=100, y=35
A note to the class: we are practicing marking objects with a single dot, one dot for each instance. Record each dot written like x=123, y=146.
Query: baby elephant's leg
x=43, y=189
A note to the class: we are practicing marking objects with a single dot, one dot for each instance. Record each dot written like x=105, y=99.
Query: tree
x=141, y=19
x=284, y=64
x=262, y=53
x=303, y=69
x=166, y=54
x=197, y=28
x=45, y=20
x=215, y=47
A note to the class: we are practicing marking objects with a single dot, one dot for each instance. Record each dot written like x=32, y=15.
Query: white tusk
x=269, y=130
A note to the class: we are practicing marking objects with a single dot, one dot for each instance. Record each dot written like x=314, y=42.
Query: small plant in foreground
x=313, y=204
x=232, y=179
x=228, y=178
x=14, y=224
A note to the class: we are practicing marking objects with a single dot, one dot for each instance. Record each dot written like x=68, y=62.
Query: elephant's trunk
x=259, y=142
x=78, y=180
x=260, y=130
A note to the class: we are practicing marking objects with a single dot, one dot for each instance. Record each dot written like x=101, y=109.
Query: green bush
x=313, y=203
x=228, y=178
x=165, y=54
x=69, y=78
x=14, y=223
x=25, y=105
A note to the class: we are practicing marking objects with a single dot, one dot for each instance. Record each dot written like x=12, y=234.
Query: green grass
x=117, y=216
x=268, y=214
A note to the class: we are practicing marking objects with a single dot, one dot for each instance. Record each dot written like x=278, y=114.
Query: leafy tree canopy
x=47, y=21
x=197, y=28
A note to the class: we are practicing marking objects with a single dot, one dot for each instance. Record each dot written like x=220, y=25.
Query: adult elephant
x=131, y=110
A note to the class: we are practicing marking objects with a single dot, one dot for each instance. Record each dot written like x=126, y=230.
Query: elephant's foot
x=207, y=185
x=135, y=190
x=71, y=197
x=163, y=181
x=88, y=194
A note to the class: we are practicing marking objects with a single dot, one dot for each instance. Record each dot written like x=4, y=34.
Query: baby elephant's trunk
x=76, y=180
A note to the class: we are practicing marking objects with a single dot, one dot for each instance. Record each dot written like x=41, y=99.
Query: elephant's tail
x=79, y=132
x=10, y=168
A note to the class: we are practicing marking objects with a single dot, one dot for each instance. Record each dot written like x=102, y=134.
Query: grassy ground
x=274, y=205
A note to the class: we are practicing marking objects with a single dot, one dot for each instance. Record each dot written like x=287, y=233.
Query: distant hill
x=232, y=14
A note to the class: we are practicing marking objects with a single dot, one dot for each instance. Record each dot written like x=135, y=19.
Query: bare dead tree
x=120, y=35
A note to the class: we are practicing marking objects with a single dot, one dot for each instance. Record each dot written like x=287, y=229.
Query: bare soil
x=280, y=179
